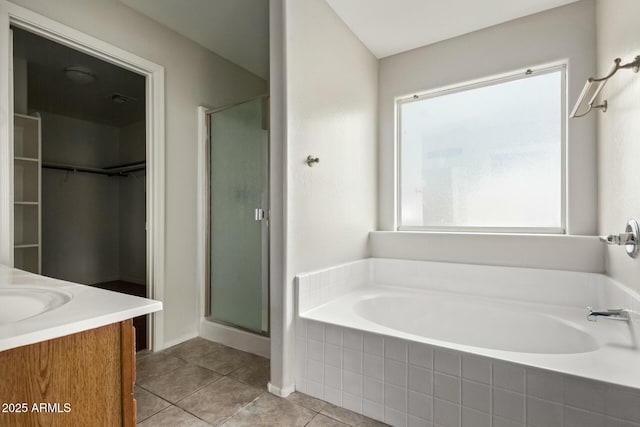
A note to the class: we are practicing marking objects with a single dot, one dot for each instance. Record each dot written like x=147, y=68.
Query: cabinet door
x=84, y=379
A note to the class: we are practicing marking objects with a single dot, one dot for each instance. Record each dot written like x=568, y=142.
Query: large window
x=485, y=157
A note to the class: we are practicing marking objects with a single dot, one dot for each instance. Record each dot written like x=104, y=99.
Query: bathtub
x=424, y=343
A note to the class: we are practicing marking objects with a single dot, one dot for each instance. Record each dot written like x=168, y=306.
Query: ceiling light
x=79, y=74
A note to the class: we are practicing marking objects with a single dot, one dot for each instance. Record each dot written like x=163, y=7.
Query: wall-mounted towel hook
x=310, y=160
x=593, y=87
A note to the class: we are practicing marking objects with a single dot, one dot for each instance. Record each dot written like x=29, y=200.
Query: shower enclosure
x=239, y=216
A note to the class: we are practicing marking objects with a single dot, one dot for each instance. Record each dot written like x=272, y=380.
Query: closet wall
x=132, y=247
x=93, y=225
x=80, y=211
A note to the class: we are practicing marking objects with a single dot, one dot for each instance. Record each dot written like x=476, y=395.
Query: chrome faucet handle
x=619, y=239
x=630, y=239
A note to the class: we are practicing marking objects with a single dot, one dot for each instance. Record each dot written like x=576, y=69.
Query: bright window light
x=485, y=157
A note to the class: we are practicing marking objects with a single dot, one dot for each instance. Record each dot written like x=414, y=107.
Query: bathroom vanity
x=67, y=352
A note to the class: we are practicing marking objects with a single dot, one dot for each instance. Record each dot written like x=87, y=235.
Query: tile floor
x=201, y=383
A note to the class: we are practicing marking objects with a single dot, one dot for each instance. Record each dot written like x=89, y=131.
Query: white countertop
x=88, y=308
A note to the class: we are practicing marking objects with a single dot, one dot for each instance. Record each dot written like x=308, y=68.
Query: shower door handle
x=260, y=214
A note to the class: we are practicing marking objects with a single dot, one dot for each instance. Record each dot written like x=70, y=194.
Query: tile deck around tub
x=200, y=383
x=409, y=384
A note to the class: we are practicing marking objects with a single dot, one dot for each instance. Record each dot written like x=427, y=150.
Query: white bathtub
x=535, y=319
x=447, y=319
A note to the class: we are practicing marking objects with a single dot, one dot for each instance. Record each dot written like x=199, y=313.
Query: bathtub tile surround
x=459, y=389
x=180, y=387
x=404, y=382
x=325, y=285
x=530, y=285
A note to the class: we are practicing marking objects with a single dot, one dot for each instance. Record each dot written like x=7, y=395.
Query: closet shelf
x=26, y=203
x=26, y=159
x=121, y=170
x=24, y=116
x=26, y=246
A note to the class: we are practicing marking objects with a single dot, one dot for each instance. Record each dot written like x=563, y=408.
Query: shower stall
x=238, y=217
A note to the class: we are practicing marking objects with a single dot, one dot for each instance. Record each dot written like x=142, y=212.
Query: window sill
x=487, y=231
x=546, y=251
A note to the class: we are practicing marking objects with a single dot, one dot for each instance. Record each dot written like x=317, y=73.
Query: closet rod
x=96, y=171
x=128, y=165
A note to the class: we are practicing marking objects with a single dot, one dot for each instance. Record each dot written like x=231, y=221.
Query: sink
x=21, y=302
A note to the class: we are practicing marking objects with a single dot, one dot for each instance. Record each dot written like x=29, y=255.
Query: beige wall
x=331, y=91
x=194, y=76
x=618, y=130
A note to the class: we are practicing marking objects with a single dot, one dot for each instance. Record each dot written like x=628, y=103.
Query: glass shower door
x=239, y=148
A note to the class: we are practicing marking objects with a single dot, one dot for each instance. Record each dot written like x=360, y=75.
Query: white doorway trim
x=11, y=14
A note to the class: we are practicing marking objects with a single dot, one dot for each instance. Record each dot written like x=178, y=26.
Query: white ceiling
x=51, y=91
x=237, y=30
x=388, y=27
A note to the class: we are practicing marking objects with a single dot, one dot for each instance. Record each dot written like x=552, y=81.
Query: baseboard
x=177, y=341
x=280, y=392
x=100, y=280
x=133, y=279
x=235, y=338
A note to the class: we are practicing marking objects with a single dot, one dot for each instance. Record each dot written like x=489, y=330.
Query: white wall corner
x=176, y=341
x=202, y=208
x=280, y=392
x=278, y=196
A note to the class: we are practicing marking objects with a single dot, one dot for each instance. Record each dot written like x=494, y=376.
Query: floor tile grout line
x=152, y=376
x=157, y=412
x=194, y=392
x=179, y=408
x=221, y=376
x=194, y=415
x=318, y=414
x=302, y=406
x=198, y=366
x=212, y=370
x=312, y=418
x=156, y=395
x=227, y=419
x=241, y=408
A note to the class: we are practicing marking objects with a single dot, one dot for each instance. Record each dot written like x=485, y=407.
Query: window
x=485, y=157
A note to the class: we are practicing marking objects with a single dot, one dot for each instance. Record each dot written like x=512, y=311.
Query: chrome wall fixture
x=310, y=160
x=593, y=87
x=610, y=314
x=630, y=239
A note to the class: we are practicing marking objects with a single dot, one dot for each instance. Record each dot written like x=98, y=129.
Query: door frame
x=265, y=228
x=12, y=14
x=231, y=335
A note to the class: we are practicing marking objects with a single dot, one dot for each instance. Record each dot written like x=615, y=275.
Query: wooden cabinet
x=84, y=379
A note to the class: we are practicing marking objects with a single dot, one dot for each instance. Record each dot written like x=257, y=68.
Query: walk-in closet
x=79, y=168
